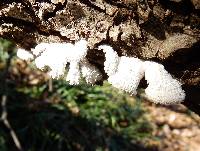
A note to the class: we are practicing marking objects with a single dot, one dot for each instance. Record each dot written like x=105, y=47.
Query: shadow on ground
x=42, y=127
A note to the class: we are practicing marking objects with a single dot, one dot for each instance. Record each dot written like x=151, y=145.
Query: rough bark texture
x=166, y=31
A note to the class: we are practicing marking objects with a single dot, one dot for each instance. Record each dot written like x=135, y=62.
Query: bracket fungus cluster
x=124, y=73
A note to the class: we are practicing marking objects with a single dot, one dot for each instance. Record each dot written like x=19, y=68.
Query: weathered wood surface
x=166, y=31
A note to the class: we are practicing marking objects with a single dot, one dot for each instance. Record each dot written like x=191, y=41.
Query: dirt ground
x=175, y=127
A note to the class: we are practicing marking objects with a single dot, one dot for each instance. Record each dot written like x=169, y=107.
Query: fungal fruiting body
x=74, y=57
x=162, y=87
x=57, y=55
x=79, y=52
x=123, y=72
x=128, y=75
x=112, y=59
x=53, y=55
x=73, y=75
x=24, y=55
x=90, y=72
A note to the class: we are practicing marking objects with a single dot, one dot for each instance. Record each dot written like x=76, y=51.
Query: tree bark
x=163, y=31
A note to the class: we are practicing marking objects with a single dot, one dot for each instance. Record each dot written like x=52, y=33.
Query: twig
x=4, y=115
x=50, y=85
x=4, y=119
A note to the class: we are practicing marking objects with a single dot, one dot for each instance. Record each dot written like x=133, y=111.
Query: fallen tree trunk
x=167, y=32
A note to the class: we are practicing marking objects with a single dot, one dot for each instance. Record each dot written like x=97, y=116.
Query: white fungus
x=54, y=55
x=124, y=72
x=40, y=48
x=57, y=55
x=129, y=73
x=79, y=52
x=90, y=72
x=162, y=87
x=24, y=55
x=73, y=75
x=112, y=59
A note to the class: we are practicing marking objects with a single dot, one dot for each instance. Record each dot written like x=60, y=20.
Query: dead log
x=163, y=31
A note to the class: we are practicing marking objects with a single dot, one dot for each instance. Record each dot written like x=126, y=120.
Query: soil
x=175, y=127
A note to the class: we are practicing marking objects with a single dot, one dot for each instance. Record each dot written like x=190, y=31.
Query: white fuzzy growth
x=90, y=72
x=73, y=75
x=54, y=55
x=57, y=55
x=77, y=52
x=74, y=57
x=124, y=72
x=162, y=88
x=80, y=50
x=24, y=55
x=129, y=73
x=112, y=59
x=40, y=48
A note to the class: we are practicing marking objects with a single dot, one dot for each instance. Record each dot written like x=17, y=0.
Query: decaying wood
x=164, y=31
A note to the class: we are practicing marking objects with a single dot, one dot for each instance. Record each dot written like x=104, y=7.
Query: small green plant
x=71, y=117
x=6, y=47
